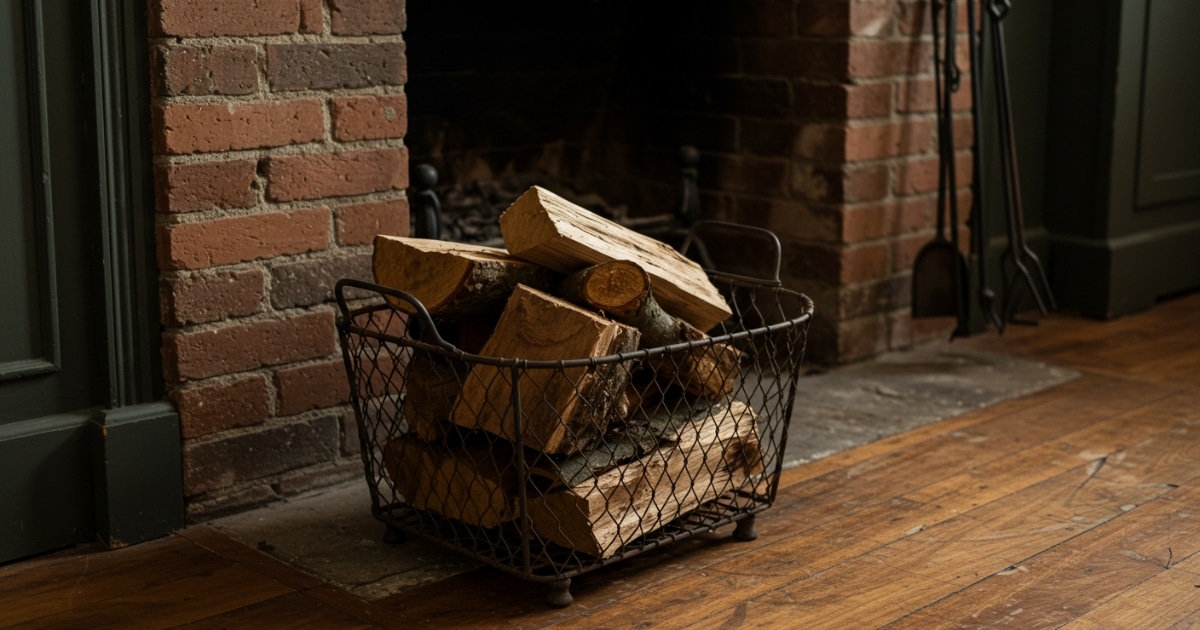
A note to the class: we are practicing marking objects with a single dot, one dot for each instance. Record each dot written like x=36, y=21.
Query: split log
x=563, y=410
x=453, y=280
x=475, y=483
x=546, y=229
x=713, y=452
x=622, y=289
x=433, y=385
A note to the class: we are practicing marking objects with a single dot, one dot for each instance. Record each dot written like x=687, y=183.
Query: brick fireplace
x=282, y=142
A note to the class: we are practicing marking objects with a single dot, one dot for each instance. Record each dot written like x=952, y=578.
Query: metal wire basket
x=653, y=463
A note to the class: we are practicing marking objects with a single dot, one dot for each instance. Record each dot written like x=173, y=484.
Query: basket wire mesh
x=654, y=463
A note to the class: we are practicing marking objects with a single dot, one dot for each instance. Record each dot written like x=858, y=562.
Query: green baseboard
x=137, y=472
x=1106, y=278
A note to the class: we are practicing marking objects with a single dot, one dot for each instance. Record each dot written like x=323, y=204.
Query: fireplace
x=811, y=119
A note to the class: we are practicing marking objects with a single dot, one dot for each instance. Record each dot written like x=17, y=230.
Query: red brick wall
x=815, y=119
x=278, y=131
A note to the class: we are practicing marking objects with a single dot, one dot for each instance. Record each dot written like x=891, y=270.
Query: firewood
x=475, y=482
x=712, y=452
x=622, y=289
x=546, y=229
x=453, y=280
x=562, y=410
x=432, y=386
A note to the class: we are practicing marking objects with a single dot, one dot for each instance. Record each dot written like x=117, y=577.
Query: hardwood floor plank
x=91, y=581
x=854, y=530
x=1065, y=582
x=171, y=603
x=293, y=610
x=1170, y=599
x=837, y=501
x=970, y=547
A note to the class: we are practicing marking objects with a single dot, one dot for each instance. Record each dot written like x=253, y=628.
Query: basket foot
x=394, y=536
x=745, y=529
x=558, y=593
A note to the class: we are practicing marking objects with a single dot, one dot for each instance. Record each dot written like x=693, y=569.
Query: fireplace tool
x=940, y=270
x=1018, y=256
x=979, y=224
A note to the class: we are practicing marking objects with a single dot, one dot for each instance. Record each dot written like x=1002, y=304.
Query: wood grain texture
x=1076, y=506
x=452, y=280
x=563, y=410
x=709, y=453
x=546, y=229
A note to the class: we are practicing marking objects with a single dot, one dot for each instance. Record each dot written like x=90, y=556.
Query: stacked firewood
x=612, y=450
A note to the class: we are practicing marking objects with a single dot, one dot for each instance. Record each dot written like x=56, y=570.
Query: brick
x=312, y=17
x=805, y=58
x=763, y=18
x=913, y=18
x=865, y=183
x=904, y=331
x=319, y=476
x=861, y=338
x=875, y=141
x=292, y=178
x=905, y=248
x=873, y=298
x=874, y=221
x=351, y=445
x=839, y=18
x=919, y=95
x=228, y=18
x=367, y=17
x=369, y=117
x=745, y=174
x=209, y=408
x=249, y=456
x=209, y=297
x=863, y=262
x=916, y=176
x=868, y=58
x=200, y=354
x=841, y=102
x=206, y=70
x=241, y=239
x=837, y=265
x=205, y=186
x=768, y=137
x=802, y=220
x=203, y=128
x=314, y=386
x=359, y=223
x=309, y=282
x=330, y=66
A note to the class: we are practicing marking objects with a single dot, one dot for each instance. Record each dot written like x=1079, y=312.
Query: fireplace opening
x=594, y=99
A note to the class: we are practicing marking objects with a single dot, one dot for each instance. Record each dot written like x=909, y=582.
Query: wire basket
x=549, y=469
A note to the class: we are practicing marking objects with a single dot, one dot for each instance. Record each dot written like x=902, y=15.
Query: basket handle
x=422, y=313
x=695, y=240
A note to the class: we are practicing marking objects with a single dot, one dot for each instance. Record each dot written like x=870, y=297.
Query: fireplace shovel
x=940, y=270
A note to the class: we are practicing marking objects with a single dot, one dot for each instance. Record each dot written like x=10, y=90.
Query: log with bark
x=475, y=482
x=453, y=280
x=564, y=409
x=622, y=289
x=710, y=452
x=433, y=385
x=546, y=229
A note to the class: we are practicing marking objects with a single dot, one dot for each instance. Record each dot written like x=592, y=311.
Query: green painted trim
x=122, y=94
x=1114, y=277
x=137, y=465
x=45, y=500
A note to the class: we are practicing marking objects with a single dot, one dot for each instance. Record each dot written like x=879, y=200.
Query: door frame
x=117, y=475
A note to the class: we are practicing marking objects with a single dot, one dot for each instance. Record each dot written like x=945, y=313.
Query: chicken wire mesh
x=550, y=468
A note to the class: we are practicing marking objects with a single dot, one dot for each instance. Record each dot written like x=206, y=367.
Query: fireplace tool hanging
x=1018, y=262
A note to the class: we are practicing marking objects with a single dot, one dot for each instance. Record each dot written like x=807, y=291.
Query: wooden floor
x=1076, y=506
